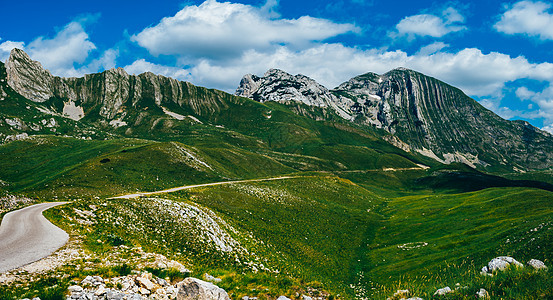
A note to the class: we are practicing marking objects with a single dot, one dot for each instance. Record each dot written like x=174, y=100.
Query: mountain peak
x=280, y=86
x=28, y=77
x=422, y=114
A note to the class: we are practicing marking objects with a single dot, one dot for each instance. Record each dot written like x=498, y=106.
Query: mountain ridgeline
x=421, y=115
x=416, y=113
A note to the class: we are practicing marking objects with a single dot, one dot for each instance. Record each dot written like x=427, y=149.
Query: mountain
x=109, y=94
x=422, y=114
x=300, y=191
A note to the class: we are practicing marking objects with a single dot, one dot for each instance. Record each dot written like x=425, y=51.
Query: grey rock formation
x=500, y=263
x=421, y=113
x=482, y=294
x=279, y=86
x=109, y=94
x=442, y=291
x=196, y=289
x=536, y=264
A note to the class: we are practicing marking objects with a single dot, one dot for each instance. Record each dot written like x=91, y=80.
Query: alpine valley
x=387, y=186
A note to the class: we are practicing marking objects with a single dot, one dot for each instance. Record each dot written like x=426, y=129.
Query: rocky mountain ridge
x=109, y=94
x=422, y=115
x=414, y=112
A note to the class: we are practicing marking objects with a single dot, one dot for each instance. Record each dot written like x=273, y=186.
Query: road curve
x=27, y=236
x=180, y=188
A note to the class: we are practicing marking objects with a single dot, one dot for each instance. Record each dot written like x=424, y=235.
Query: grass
x=345, y=222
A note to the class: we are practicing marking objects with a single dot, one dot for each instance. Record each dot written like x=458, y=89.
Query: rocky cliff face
x=422, y=114
x=279, y=86
x=109, y=94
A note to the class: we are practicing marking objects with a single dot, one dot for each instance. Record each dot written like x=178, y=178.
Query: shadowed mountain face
x=421, y=113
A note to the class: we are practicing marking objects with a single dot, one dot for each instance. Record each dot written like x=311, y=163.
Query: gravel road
x=27, y=236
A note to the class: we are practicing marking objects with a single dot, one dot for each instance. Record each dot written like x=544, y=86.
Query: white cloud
x=523, y=93
x=106, y=61
x=141, y=66
x=432, y=48
x=548, y=128
x=7, y=46
x=217, y=30
x=67, y=53
x=476, y=73
x=527, y=17
x=60, y=53
x=449, y=21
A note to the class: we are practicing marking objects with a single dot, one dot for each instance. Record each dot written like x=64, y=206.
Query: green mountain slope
x=355, y=215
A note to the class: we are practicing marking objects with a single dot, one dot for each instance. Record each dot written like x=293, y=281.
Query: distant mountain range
x=414, y=112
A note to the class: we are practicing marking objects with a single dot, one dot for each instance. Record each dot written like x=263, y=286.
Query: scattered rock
x=100, y=291
x=196, y=289
x=482, y=293
x=536, y=264
x=442, y=291
x=400, y=294
x=145, y=282
x=144, y=291
x=211, y=278
x=75, y=289
x=500, y=263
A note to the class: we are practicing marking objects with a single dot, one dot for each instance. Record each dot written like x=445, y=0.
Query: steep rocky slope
x=109, y=94
x=421, y=113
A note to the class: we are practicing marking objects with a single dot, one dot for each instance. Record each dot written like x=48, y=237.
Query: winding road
x=27, y=236
x=186, y=187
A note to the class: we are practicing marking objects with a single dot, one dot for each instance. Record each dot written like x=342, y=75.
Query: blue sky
x=498, y=52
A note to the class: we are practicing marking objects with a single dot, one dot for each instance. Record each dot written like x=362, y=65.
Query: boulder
x=211, y=278
x=145, y=283
x=196, y=289
x=442, y=291
x=500, y=263
x=536, y=264
x=283, y=298
x=100, y=291
x=75, y=289
x=482, y=293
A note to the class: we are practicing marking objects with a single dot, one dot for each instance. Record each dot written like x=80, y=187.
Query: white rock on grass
x=196, y=289
x=211, y=278
x=500, y=263
x=400, y=294
x=482, y=293
x=283, y=298
x=536, y=264
x=442, y=291
x=75, y=289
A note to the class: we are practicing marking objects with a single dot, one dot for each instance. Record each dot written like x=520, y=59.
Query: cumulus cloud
x=141, y=66
x=59, y=54
x=217, y=30
x=548, y=128
x=476, y=73
x=67, y=53
x=450, y=20
x=544, y=99
x=7, y=46
x=527, y=17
